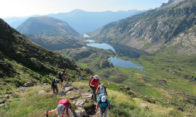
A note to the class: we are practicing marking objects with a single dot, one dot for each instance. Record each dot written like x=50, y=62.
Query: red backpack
x=67, y=105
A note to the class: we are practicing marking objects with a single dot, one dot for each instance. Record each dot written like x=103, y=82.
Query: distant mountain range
x=81, y=21
x=172, y=25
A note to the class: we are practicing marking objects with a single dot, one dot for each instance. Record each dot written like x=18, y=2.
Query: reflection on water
x=123, y=63
x=101, y=46
x=115, y=61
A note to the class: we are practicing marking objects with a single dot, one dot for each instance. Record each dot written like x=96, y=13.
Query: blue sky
x=10, y=8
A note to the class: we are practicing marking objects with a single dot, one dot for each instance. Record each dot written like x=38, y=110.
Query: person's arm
x=97, y=106
x=51, y=112
x=106, y=91
x=97, y=90
x=91, y=83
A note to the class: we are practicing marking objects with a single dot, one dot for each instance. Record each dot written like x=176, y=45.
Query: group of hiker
x=99, y=95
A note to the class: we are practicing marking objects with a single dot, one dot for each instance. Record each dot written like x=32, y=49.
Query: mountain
x=46, y=26
x=83, y=21
x=21, y=60
x=172, y=24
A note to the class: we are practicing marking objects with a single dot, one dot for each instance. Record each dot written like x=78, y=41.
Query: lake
x=101, y=46
x=123, y=63
x=114, y=60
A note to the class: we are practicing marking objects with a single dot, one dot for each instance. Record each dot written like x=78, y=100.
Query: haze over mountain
x=84, y=21
x=172, y=25
x=81, y=21
x=46, y=26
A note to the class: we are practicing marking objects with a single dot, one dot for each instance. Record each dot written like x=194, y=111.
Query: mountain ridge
x=150, y=31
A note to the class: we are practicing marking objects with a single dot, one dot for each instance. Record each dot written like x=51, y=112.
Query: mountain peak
x=46, y=26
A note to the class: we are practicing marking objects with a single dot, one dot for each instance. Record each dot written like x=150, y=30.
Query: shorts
x=60, y=109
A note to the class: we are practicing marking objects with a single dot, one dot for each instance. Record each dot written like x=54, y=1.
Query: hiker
x=94, y=82
x=62, y=110
x=101, y=89
x=61, y=77
x=54, y=86
x=104, y=104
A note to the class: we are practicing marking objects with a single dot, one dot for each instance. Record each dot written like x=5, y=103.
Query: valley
x=147, y=62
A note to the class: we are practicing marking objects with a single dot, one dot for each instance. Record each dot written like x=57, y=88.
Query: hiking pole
x=47, y=113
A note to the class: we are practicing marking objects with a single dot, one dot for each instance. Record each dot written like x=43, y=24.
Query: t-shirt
x=54, y=82
x=103, y=104
x=95, y=82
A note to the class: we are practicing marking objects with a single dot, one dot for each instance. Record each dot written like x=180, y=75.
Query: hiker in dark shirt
x=54, y=86
x=61, y=76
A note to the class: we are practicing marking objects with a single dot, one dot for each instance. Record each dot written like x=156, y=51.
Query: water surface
x=124, y=63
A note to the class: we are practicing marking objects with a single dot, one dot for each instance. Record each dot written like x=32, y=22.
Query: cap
x=103, y=98
x=96, y=76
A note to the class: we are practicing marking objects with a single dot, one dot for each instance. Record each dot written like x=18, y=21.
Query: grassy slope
x=166, y=79
x=31, y=104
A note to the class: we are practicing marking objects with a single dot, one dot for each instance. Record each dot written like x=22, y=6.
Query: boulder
x=80, y=103
x=80, y=112
x=86, y=95
x=28, y=84
x=22, y=89
x=41, y=92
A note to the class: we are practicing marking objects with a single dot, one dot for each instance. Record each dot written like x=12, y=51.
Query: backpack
x=91, y=78
x=104, y=90
x=54, y=82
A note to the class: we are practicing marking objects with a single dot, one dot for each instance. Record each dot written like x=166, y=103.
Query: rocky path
x=85, y=107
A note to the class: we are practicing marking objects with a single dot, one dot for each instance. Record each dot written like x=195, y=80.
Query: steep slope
x=21, y=60
x=46, y=26
x=56, y=42
x=152, y=30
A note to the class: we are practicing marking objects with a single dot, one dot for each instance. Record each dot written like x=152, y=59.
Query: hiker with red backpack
x=94, y=82
x=62, y=110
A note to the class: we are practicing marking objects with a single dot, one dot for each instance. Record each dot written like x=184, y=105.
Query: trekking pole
x=46, y=113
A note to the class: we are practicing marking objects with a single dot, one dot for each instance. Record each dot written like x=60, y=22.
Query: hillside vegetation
x=22, y=61
x=46, y=26
x=153, y=30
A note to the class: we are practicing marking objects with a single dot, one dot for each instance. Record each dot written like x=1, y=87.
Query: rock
x=41, y=92
x=68, y=89
x=69, y=92
x=22, y=89
x=86, y=95
x=74, y=97
x=143, y=105
x=80, y=103
x=90, y=108
x=2, y=102
x=28, y=84
x=80, y=112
